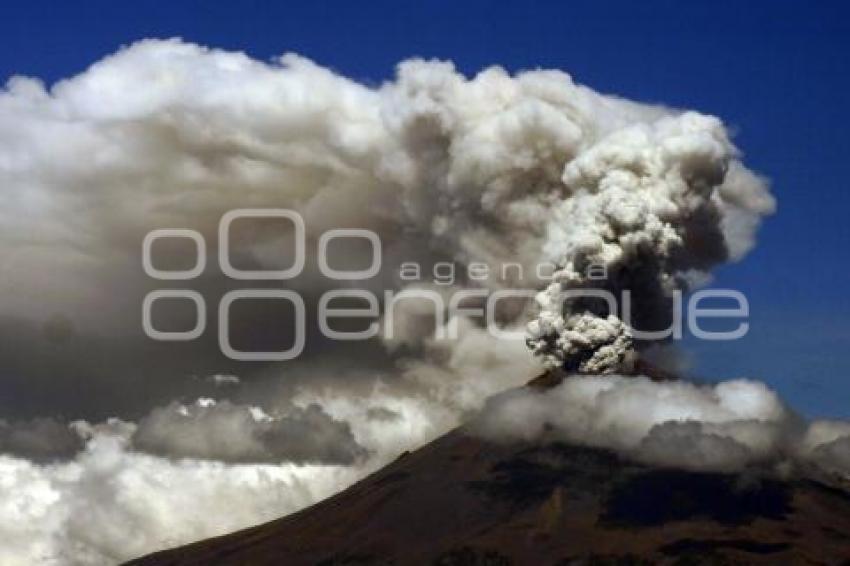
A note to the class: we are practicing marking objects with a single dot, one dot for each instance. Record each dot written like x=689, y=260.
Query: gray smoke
x=654, y=206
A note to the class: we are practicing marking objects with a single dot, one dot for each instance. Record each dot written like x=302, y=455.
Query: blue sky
x=779, y=75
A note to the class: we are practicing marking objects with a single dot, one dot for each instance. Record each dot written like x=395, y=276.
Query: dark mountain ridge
x=464, y=501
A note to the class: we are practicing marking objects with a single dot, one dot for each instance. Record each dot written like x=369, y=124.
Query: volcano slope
x=464, y=501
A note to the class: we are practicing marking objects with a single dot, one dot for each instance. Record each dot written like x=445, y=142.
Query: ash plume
x=494, y=169
x=652, y=205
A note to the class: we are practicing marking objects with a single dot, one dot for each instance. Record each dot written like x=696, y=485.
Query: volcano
x=464, y=501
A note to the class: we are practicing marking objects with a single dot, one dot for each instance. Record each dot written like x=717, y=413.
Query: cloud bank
x=727, y=427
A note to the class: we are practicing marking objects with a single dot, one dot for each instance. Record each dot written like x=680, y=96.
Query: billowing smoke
x=651, y=205
x=115, y=445
x=494, y=169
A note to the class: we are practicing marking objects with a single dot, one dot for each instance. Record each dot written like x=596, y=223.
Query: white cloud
x=730, y=426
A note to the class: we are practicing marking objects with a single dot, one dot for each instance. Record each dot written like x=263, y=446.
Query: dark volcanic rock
x=462, y=501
